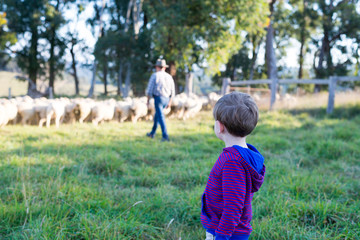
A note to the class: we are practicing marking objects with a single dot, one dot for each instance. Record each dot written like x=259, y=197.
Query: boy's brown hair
x=238, y=112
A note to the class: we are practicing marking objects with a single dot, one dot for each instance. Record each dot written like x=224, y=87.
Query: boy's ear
x=221, y=127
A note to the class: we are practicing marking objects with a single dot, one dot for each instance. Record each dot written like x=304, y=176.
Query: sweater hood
x=245, y=157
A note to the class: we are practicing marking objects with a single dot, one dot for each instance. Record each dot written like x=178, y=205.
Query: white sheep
x=138, y=109
x=3, y=116
x=55, y=109
x=11, y=110
x=26, y=111
x=103, y=111
x=123, y=110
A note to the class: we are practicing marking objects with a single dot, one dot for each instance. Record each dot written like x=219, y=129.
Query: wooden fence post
x=273, y=92
x=332, y=86
x=225, y=86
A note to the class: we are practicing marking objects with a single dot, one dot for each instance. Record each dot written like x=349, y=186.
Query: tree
x=75, y=45
x=6, y=40
x=339, y=20
x=98, y=18
x=304, y=21
x=25, y=18
x=127, y=46
x=206, y=33
x=270, y=57
x=54, y=20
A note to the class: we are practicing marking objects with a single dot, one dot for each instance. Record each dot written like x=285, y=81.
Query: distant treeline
x=206, y=34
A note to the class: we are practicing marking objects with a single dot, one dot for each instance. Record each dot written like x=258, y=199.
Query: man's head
x=160, y=65
x=237, y=112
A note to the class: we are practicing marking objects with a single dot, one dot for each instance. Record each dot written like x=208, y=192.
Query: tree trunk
x=105, y=71
x=127, y=80
x=189, y=83
x=119, y=79
x=301, y=60
x=33, y=62
x=52, y=60
x=302, y=40
x=52, y=54
x=172, y=72
x=91, y=90
x=323, y=56
x=255, y=51
x=271, y=57
x=270, y=53
x=136, y=17
x=92, y=87
x=128, y=14
x=73, y=66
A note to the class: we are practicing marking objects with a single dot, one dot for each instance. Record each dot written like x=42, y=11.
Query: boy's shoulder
x=233, y=155
x=228, y=154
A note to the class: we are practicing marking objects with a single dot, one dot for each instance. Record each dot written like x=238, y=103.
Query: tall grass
x=111, y=182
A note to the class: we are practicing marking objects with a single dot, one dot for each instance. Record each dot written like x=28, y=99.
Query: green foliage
x=78, y=182
x=26, y=17
x=202, y=32
x=7, y=39
x=337, y=19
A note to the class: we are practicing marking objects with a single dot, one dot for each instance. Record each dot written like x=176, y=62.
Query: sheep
x=40, y=109
x=10, y=110
x=43, y=110
x=55, y=109
x=26, y=111
x=70, y=112
x=83, y=109
x=3, y=116
x=123, y=110
x=213, y=98
x=178, y=105
x=205, y=101
x=192, y=107
x=102, y=112
x=138, y=109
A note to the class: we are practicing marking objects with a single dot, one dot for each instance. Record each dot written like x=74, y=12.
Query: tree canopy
x=223, y=37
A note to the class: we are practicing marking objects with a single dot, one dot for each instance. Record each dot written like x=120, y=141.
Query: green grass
x=110, y=182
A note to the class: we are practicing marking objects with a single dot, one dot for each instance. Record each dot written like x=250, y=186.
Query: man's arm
x=150, y=87
x=234, y=190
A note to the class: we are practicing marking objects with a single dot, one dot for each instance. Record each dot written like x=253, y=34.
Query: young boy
x=238, y=172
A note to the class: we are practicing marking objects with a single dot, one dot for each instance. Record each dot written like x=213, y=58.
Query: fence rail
x=331, y=82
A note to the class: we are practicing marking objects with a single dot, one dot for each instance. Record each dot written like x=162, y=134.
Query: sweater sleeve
x=234, y=190
x=151, y=85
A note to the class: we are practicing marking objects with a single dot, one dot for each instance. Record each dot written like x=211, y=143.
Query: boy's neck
x=230, y=141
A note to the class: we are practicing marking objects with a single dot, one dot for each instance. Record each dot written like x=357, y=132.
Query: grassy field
x=110, y=182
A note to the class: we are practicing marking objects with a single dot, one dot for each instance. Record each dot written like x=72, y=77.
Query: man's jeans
x=160, y=104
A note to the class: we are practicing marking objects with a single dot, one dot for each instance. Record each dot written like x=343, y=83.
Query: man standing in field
x=161, y=86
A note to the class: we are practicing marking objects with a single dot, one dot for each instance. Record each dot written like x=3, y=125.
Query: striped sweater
x=226, y=203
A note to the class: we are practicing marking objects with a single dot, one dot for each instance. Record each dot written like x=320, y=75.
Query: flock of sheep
x=39, y=111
